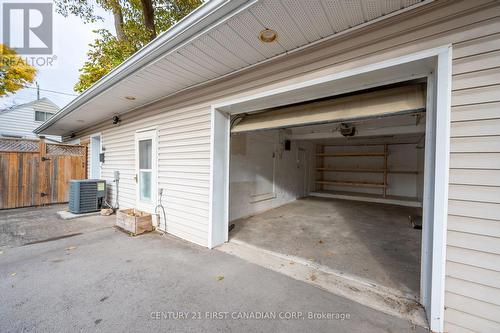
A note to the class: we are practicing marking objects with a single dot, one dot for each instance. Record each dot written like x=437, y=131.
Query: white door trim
x=141, y=135
x=219, y=164
x=441, y=181
x=219, y=178
x=92, y=161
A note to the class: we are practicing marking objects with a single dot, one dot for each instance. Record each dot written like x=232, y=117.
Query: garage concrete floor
x=370, y=240
x=102, y=280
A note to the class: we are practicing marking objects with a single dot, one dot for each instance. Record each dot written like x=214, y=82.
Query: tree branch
x=148, y=13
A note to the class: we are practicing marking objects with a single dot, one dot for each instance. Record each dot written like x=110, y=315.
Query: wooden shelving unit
x=322, y=169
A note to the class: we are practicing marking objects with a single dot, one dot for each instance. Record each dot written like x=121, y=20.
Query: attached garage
x=324, y=147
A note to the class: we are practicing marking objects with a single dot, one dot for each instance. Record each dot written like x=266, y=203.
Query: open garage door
x=337, y=184
x=380, y=103
x=294, y=133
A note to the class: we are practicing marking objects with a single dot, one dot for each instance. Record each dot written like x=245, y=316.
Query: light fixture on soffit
x=268, y=35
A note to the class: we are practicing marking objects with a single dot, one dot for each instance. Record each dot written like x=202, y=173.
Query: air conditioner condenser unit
x=86, y=195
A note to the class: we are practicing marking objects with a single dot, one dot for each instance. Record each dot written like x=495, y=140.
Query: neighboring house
x=245, y=106
x=19, y=121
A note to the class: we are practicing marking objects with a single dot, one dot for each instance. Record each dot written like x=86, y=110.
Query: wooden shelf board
x=403, y=171
x=369, y=197
x=367, y=170
x=349, y=154
x=351, y=170
x=350, y=183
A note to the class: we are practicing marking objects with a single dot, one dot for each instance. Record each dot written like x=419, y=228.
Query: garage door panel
x=366, y=105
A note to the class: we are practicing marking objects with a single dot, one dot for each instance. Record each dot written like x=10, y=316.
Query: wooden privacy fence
x=34, y=172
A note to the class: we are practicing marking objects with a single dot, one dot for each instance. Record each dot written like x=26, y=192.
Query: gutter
x=195, y=22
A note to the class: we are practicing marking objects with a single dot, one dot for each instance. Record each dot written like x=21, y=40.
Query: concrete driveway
x=30, y=225
x=100, y=279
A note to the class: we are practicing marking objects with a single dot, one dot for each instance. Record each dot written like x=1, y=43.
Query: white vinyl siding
x=472, y=288
x=471, y=27
x=21, y=120
x=183, y=166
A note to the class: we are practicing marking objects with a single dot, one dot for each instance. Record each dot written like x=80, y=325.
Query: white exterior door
x=145, y=166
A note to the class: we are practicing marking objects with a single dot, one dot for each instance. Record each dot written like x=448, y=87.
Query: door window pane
x=145, y=185
x=95, y=149
x=145, y=150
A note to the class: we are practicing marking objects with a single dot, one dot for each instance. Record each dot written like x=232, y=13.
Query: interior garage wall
x=263, y=175
x=401, y=157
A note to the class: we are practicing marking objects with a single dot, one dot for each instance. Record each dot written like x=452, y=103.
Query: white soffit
x=227, y=45
x=366, y=105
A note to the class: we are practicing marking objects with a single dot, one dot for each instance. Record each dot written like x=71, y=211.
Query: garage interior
x=337, y=181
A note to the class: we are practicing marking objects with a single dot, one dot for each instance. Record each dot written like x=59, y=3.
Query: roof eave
x=186, y=30
x=198, y=20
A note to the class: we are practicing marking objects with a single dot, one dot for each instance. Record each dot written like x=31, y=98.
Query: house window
x=42, y=116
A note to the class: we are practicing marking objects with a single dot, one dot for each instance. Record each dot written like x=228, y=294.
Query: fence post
x=43, y=185
x=42, y=147
x=85, y=162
